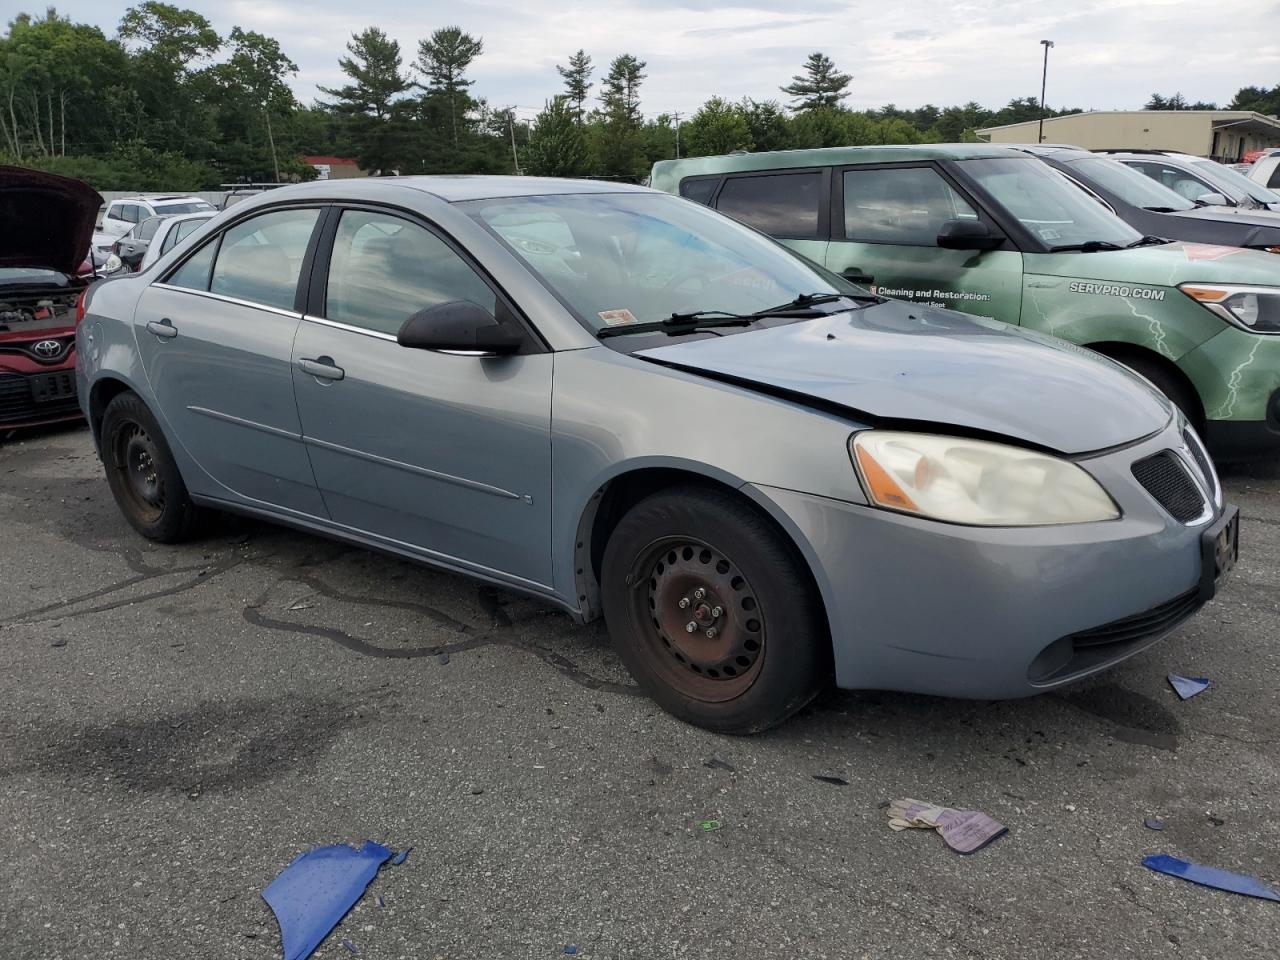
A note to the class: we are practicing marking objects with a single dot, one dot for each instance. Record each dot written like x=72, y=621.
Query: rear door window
x=260, y=259
x=783, y=205
x=906, y=205
x=1179, y=181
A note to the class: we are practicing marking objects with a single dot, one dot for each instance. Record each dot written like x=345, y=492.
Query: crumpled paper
x=965, y=831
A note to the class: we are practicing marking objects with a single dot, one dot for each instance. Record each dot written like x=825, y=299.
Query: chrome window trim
x=232, y=300
x=350, y=328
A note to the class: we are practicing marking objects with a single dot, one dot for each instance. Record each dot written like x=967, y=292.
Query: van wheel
x=713, y=612
x=1183, y=396
x=142, y=473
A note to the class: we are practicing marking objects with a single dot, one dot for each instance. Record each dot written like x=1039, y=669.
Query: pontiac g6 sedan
x=628, y=405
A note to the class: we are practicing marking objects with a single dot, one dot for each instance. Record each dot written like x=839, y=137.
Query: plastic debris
x=1153, y=823
x=715, y=763
x=351, y=947
x=400, y=857
x=710, y=824
x=1188, y=687
x=965, y=831
x=834, y=781
x=571, y=949
x=313, y=893
x=381, y=902
x=1210, y=876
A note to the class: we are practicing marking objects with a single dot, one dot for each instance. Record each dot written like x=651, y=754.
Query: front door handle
x=165, y=329
x=857, y=276
x=322, y=367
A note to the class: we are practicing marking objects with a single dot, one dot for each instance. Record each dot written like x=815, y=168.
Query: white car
x=121, y=215
x=170, y=232
x=1266, y=170
x=1198, y=179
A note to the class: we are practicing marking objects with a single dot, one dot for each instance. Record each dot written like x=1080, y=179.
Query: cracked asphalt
x=177, y=724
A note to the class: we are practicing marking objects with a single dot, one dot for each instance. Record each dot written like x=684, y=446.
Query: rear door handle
x=165, y=329
x=322, y=367
x=857, y=276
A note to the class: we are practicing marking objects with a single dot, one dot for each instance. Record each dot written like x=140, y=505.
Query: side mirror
x=460, y=325
x=967, y=235
x=1214, y=200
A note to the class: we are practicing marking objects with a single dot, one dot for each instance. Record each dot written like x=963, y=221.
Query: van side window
x=907, y=205
x=699, y=191
x=1275, y=177
x=783, y=205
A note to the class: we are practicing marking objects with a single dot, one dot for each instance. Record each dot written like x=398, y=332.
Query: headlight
x=1256, y=309
x=113, y=264
x=975, y=482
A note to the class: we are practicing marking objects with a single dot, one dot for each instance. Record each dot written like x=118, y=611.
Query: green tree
x=619, y=146
x=718, y=127
x=254, y=84
x=820, y=127
x=1257, y=99
x=371, y=102
x=1176, y=102
x=820, y=86
x=577, y=81
x=557, y=147
x=443, y=58
x=766, y=123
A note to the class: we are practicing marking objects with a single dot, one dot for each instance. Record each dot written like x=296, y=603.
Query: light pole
x=1044, y=79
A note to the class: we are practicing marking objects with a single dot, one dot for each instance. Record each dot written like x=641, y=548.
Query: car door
x=447, y=454
x=885, y=225
x=788, y=205
x=216, y=340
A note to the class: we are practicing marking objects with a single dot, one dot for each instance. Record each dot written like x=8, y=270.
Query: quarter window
x=385, y=269
x=260, y=259
x=699, y=191
x=785, y=205
x=907, y=205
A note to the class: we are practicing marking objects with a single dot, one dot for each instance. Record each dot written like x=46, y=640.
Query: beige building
x=1225, y=135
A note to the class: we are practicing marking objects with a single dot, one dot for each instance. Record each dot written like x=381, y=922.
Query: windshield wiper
x=679, y=323
x=1163, y=209
x=1089, y=246
x=1147, y=242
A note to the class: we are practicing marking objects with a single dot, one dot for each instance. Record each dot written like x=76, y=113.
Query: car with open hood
x=994, y=232
x=627, y=405
x=46, y=223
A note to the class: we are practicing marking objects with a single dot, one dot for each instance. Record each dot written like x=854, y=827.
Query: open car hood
x=46, y=221
x=926, y=368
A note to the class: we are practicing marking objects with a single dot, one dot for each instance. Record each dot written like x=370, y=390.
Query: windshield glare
x=175, y=209
x=1130, y=185
x=1242, y=184
x=621, y=258
x=1052, y=208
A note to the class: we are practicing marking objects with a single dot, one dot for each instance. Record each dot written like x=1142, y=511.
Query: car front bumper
x=994, y=613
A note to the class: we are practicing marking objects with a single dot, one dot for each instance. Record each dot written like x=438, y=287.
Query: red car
x=46, y=225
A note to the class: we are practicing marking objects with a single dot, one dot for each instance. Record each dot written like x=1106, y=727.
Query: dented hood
x=896, y=362
x=46, y=221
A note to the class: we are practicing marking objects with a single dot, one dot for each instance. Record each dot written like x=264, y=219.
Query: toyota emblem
x=47, y=349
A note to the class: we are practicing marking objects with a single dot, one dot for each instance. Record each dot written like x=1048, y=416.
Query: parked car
x=1154, y=210
x=994, y=232
x=122, y=215
x=1266, y=170
x=45, y=267
x=1199, y=179
x=132, y=246
x=626, y=404
x=170, y=232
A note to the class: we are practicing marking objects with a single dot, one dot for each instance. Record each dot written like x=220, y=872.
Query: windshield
x=1242, y=185
x=174, y=209
x=1052, y=208
x=623, y=258
x=1129, y=185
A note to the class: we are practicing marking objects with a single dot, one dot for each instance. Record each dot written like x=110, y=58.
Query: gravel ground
x=177, y=724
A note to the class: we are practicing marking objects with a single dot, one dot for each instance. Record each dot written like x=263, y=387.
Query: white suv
x=1266, y=170
x=1199, y=179
x=121, y=215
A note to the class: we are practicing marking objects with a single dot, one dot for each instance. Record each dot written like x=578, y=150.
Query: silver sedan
x=628, y=405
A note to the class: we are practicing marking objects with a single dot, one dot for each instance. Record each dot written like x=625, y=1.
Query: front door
x=447, y=454
x=885, y=224
x=216, y=341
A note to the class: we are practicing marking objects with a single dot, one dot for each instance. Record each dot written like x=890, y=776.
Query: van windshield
x=1129, y=185
x=1048, y=205
x=1242, y=184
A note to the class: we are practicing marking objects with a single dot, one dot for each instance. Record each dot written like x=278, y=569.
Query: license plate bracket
x=47, y=387
x=1219, y=551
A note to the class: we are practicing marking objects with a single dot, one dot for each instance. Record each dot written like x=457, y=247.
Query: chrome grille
x=1167, y=480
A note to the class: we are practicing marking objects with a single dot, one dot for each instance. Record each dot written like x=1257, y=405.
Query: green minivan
x=995, y=232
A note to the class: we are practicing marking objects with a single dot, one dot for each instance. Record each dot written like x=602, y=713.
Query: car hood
x=1166, y=264
x=1261, y=228
x=930, y=368
x=46, y=221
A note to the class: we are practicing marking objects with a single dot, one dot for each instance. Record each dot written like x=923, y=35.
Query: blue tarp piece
x=1210, y=876
x=313, y=893
x=1187, y=687
x=401, y=856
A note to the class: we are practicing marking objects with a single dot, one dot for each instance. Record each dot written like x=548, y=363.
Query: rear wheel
x=142, y=473
x=712, y=611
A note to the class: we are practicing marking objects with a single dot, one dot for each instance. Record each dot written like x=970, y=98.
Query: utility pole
x=511, y=128
x=677, y=116
x=1044, y=80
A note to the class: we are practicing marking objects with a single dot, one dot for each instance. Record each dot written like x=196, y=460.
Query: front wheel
x=712, y=611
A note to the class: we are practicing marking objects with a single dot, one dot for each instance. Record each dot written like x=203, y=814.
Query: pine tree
x=556, y=147
x=620, y=92
x=443, y=58
x=821, y=85
x=577, y=81
x=370, y=103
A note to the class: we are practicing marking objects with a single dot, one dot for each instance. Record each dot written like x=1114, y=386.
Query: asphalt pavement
x=178, y=723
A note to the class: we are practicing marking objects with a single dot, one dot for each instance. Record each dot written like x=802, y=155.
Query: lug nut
x=699, y=594
x=716, y=611
x=690, y=627
x=711, y=633
x=684, y=603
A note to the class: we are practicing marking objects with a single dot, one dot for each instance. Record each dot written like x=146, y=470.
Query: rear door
x=789, y=205
x=446, y=453
x=885, y=224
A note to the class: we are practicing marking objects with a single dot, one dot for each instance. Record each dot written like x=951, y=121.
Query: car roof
x=454, y=188
x=827, y=156
x=1150, y=155
x=1058, y=151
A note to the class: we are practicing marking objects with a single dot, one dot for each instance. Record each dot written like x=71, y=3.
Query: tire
x=770, y=654
x=142, y=473
x=1182, y=395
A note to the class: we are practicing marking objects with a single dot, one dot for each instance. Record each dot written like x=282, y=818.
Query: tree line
x=168, y=103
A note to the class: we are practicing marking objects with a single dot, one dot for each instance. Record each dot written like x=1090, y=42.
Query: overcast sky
x=1110, y=54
